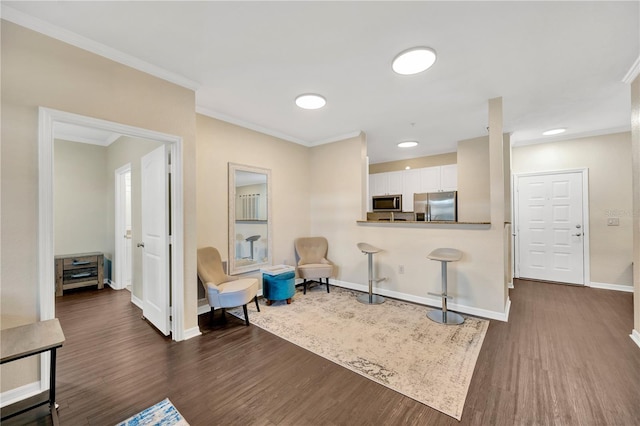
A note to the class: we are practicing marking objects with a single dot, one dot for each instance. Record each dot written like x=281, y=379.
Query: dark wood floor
x=564, y=357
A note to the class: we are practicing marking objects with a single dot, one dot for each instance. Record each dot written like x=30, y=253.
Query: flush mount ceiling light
x=407, y=144
x=310, y=101
x=414, y=60
x=554, y=132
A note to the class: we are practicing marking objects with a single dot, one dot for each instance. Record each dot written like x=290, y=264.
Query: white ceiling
x=555, y=64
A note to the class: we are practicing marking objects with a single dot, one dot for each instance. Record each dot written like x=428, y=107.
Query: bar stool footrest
x=440, y=295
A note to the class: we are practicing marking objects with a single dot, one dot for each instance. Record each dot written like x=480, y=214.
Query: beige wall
x=220, y=143
x=39, y=71
x=608, y=159
x=476, y=281
x=414, y=163
x=473, y=180
x=127, y=150
x=635, y=216
x=80, y=198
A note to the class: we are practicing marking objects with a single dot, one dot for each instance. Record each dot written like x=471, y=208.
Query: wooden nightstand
x=79, y=270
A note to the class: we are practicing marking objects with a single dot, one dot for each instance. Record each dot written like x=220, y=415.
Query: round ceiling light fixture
x=554, y=132
x=414, y=60
x=310, y=101
x=407, y=144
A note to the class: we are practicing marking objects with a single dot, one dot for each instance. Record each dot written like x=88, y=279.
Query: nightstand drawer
x=80, y=262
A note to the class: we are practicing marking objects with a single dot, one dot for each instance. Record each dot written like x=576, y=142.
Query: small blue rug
x=163, y=413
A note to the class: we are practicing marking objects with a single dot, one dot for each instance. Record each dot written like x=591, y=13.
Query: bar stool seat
x=370, y=299
x=443, y=316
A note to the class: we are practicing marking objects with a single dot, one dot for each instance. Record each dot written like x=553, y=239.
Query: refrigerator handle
x=428, y=218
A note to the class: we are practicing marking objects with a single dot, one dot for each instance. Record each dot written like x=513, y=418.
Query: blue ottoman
x=278, y=283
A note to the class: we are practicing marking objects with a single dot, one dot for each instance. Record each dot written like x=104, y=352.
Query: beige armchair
x=312, y=260
x=224, y=291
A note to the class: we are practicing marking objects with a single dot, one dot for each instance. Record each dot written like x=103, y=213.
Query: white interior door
x=155, y=238
x=551, y=227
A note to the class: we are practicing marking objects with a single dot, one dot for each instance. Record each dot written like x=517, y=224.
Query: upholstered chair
x=312, y=260
x=224, y=291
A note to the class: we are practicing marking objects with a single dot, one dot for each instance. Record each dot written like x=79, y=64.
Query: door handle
x=577, y=235
x=140, y=244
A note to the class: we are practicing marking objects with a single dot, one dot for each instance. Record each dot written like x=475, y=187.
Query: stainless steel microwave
x=387, y=203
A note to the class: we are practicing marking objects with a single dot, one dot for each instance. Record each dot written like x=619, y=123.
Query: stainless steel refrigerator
x=436, y=206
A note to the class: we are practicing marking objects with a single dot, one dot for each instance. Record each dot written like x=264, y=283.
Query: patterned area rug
x=162, y=414
x=394, y=344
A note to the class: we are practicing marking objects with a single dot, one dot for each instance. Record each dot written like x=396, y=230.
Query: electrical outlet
x=613, y=221
x=401, y=269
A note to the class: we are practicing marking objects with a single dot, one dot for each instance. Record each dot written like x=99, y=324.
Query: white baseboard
x=635, y=336
x=510, y=285
x=18, y=394
x=616, y=287
x=192, y=332
x=431, y=301
x=136, y=301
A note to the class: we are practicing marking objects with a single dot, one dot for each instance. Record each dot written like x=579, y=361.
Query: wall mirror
x=250, y=233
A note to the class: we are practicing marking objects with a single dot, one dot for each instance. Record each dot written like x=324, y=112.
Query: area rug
x=162, y=414
x=394, y=343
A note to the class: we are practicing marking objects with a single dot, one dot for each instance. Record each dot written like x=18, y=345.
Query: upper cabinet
x=449, y=177
x=411, y=185
x=439, y=178
x=409, y=182
x=385, y=183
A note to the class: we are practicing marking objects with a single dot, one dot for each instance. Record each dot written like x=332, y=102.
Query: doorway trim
x=585, y=218
x=118, y=281
x=47, y=117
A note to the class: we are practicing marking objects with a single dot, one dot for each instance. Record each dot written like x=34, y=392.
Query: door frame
x=586, y=256
x=119, y=222
x=47, y=117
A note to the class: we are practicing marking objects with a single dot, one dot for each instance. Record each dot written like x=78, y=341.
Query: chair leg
x=246, y=315
x=211, y=316
x=327, y=283
x=256, y=300
x=224, y=316
x=305, y=286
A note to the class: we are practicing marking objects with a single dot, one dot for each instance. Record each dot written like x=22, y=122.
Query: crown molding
x=251, y=126
x=633, y=72
x=53, y=31
x=257, y=128
x=338, y=138
x=570, y=136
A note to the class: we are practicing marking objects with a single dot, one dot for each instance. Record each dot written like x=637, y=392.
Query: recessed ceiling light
x=554, y=132
x=408, y=168
x=407, y=144
x=414, y=60
x=310, y=101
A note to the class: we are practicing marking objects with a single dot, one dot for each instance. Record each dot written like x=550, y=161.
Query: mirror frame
x=233, y=268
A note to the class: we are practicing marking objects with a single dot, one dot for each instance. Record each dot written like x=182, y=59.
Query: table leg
x=52, y=388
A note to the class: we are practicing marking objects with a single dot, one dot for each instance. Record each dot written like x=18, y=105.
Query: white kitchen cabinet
x=430, y=179
x=449, y=177
x=411, y=185
x=439, y=178
x=395, y=182
x=385, y=183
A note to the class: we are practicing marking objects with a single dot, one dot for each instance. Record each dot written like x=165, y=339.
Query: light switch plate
x=613, y=221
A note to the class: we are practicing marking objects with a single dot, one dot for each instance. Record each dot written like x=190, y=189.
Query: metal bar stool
x=370, y=299
x=442, y=316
